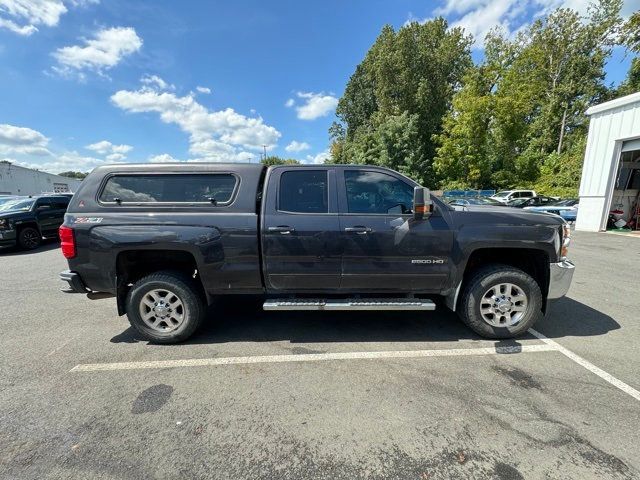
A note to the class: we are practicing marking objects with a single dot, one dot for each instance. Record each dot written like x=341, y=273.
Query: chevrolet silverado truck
x=166, y=240
x=25, y=221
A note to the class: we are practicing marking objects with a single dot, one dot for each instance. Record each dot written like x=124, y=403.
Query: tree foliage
x=511, y=122
x=418, y=104
x=71, y=174
x=274, y=160
x=394, y=102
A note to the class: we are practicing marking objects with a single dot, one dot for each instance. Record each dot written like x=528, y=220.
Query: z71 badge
x=88, y=220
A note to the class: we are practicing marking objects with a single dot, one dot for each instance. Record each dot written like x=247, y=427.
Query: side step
x=349, y=304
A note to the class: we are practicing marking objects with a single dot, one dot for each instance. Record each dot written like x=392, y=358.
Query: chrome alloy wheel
x=503, y=305
x=162, y=310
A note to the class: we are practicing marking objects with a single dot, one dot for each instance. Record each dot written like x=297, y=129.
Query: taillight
x=67, y=242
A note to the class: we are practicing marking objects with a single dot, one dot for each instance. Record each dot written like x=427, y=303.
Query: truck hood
x=505, y=216
x=13, y=214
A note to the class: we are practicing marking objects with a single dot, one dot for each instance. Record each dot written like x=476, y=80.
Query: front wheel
x=500, y=301
x=165, y=307
x=29, y=238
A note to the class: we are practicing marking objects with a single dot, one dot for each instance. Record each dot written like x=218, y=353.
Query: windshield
x=503, y=193
x=518, y=201
x=18, y=204
x=4, y=200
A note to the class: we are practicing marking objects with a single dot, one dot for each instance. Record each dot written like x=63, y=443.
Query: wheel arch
x=132, y=265
x=534, y=261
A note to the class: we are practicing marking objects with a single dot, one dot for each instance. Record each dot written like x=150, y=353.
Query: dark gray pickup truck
x=167, y=239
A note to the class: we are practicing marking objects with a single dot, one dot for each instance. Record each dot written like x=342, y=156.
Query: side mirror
x=422, y=204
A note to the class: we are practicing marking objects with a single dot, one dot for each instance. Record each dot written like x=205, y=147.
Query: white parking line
x=588, y=365
x=314, y=357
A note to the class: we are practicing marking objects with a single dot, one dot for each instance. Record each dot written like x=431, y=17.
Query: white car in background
x=506, y=196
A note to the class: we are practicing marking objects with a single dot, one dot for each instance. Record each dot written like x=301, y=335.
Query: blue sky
x=84, y=82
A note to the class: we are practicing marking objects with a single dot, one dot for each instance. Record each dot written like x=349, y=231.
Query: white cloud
x=296, y=146
x=102, y=52
x=154, y=82
x=315, y=105
x=115, y=157
x=204, y=90
x=478, y=17
x=112, y=152
x=64, y=162
x=22, y=140
x=23, y=16
x=162, y=158
x=215, y=135
x=26, y=144
x=319, y=158
x=290, y=103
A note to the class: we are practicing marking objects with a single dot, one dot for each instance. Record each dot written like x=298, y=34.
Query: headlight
x=566, y=240
x=4, y=223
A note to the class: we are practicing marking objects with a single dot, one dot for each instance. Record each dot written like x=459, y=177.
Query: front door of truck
x=46, y=216
x=385, y=248
x=300, y=230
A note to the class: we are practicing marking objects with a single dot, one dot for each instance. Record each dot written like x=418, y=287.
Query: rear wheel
x=500, y=301
x=165, y=307
x=29, y=238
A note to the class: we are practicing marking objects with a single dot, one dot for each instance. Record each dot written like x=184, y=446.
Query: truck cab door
x=300, y=230
x=385, y=248
x=45, y=216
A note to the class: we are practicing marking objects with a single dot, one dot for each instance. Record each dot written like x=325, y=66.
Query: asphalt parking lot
x=315, y=395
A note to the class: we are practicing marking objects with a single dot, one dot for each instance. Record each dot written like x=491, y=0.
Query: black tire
x=184, y=288
x=29, y=238
x=483, y=280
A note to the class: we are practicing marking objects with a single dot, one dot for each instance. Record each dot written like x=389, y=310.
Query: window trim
x=103, y=185
x=384, y=172
x=279, y=190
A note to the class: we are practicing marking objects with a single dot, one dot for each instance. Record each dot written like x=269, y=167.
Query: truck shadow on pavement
x=242, y=320
x=46, y=245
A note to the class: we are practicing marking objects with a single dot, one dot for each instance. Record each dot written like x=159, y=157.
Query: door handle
x=283, y=229
x=358, y=229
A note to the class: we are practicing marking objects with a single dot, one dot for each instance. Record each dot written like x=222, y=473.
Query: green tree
x=400, y=93
x=630, y=39
x=526, y=99
x=274, y=160
x=72, y=174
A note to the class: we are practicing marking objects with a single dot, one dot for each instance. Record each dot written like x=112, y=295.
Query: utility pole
x=265, y=151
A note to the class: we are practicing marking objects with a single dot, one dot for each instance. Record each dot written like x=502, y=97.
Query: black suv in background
x=24, y=221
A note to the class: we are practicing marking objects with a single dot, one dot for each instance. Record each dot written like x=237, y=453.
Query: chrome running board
x=349, y=304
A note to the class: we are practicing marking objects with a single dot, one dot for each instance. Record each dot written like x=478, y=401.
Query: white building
x=611, y=170
x=15, y=180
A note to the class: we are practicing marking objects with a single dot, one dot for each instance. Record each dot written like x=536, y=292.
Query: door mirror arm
x=422, y=204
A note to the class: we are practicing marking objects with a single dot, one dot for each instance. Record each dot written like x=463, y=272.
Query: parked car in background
x=473, y=201
x=557, y=206
x=506, y=196
x=570, y=215
x=24, y=221
x=533, y=202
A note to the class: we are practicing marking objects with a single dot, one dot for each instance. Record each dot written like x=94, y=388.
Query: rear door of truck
x=301, y=229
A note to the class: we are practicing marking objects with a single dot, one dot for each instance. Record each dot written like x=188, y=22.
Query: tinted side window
x=171, y=188
x=60, y=203
x=43, y=202
x=304, y=191
x=377, y=192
